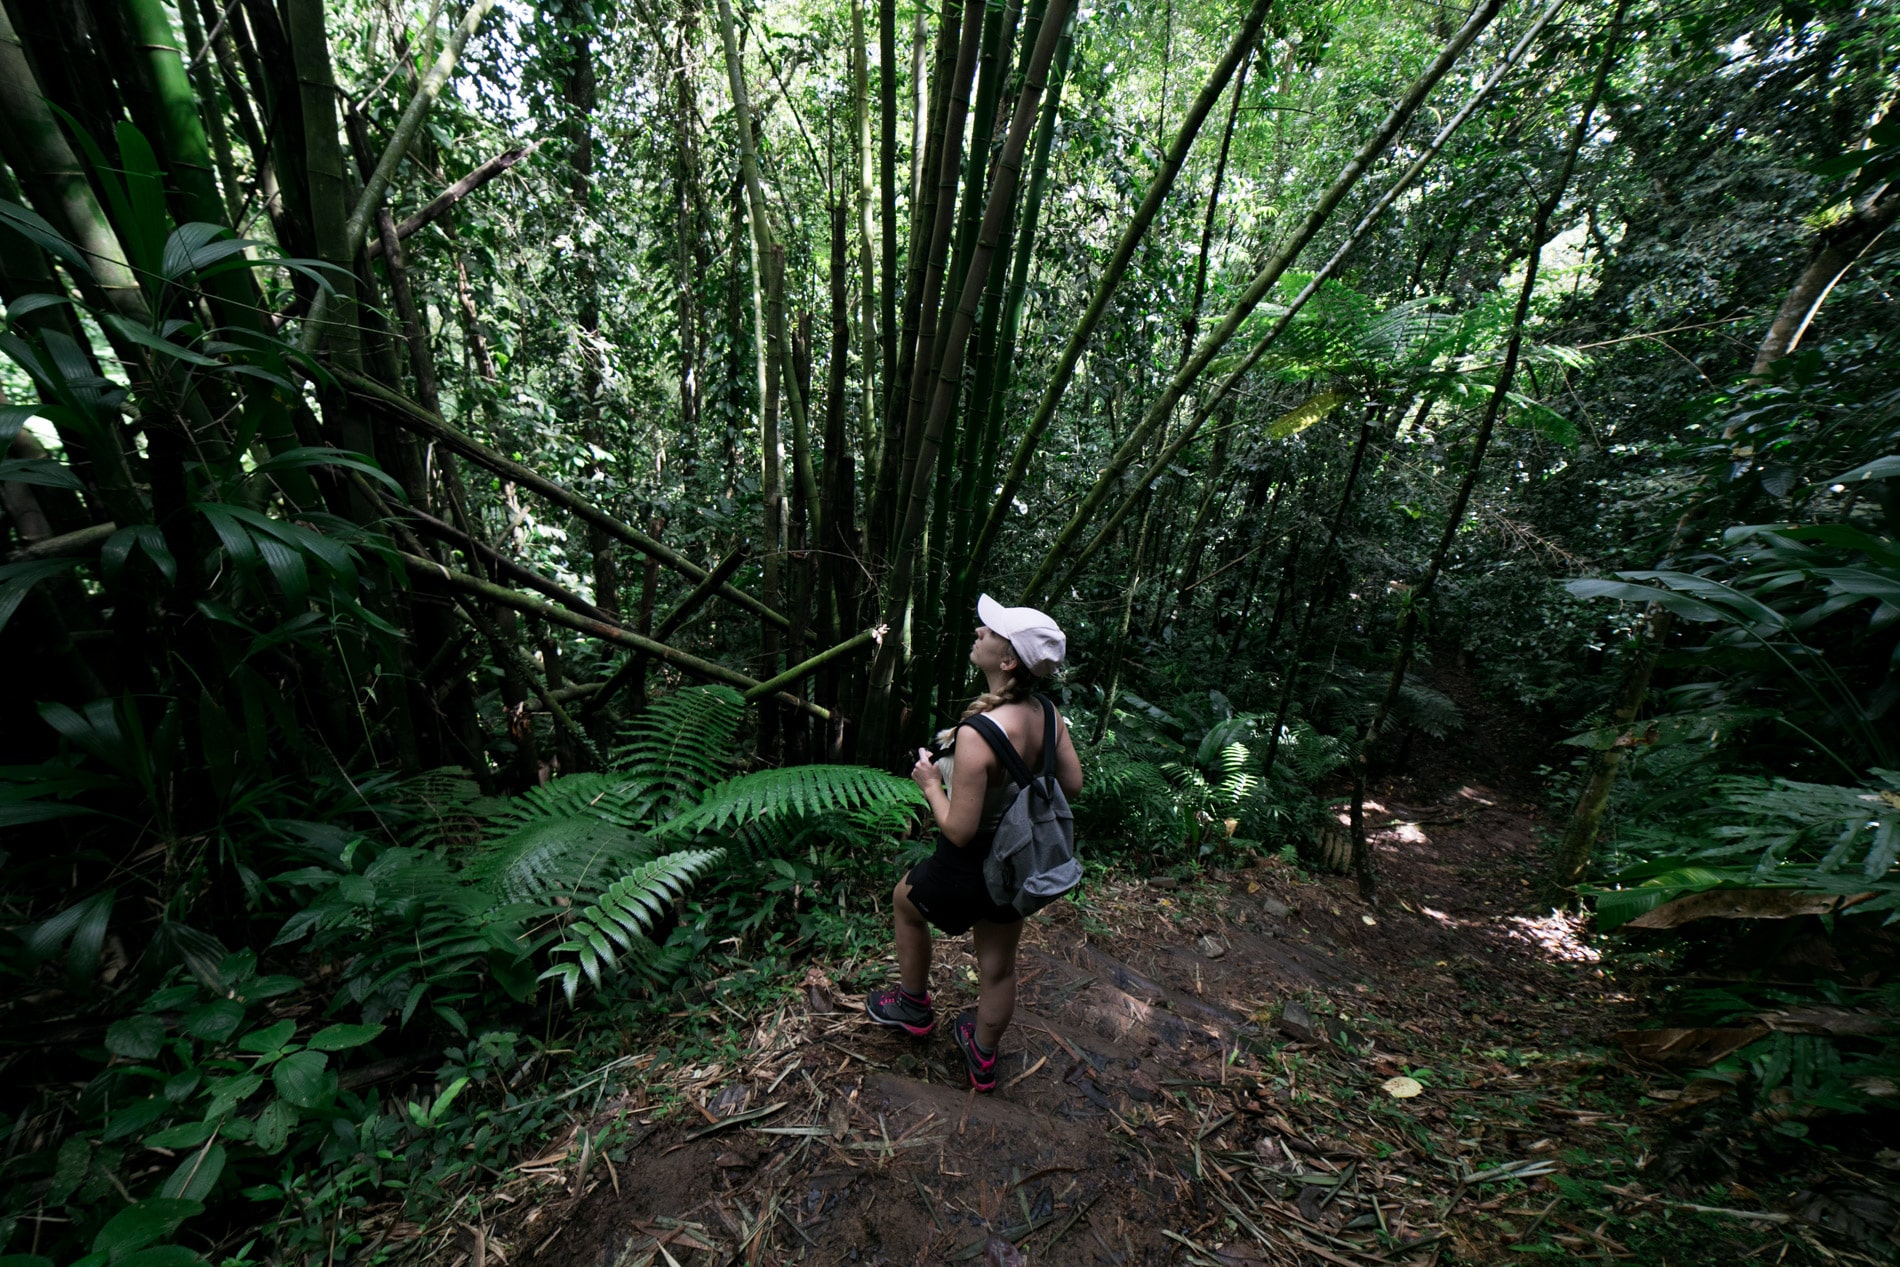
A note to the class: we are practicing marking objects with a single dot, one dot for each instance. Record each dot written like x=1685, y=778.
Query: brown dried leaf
x=1686, y=1046
x=818, y=1000
x=998, y=1252
x=1745, y=904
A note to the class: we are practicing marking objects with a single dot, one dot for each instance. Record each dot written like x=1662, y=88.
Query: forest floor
x=1200, y=1071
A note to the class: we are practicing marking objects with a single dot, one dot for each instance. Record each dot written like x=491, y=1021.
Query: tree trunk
x=578, y=96
x=1111, y=279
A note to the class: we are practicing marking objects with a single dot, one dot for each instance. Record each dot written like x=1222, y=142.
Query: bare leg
x=913, y=941
x=995, y=946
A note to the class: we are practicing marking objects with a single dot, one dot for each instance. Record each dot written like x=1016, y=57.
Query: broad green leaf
x=195, y=1174
x=136, y=1037
x=118, y=550
x=43, y=472
x=268, y=1039
x=215, y=1021
x=29, y=225
x=1878, y=469
x=304, y=1079
x=1623, y=591
x=17, y=578
x=228, y=1093
x=342, y=1037
x=130, y=1119
x=292, y=459
x=184, y=1135
x=133, y=332
x=161, y=1256
x=141, y=1224
x=272, y=1129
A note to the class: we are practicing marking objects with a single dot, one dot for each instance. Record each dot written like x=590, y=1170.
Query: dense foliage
x=467, y=466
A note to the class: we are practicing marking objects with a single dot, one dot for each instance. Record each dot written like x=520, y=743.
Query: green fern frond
x=1429, y=712
x=614, y=798
x=681, y=745
x=554, y=858
x=796, y=791
x=440, y=808
x=622, y=917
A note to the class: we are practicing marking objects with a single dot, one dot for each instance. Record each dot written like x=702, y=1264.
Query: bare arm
x=1068, y=765
x=960, y=812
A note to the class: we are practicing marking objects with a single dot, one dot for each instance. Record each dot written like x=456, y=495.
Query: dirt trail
x=1195, y=1075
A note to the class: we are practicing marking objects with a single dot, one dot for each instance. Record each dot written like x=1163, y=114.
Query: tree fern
x=622, y=917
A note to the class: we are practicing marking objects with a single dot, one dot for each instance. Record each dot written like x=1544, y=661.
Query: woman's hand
x=925, y=772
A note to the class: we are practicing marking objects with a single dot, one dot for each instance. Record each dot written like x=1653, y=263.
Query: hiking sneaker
x=899, y=1009
x=982, y=1068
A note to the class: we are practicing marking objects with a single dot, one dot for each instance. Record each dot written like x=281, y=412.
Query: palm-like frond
x=622, y=916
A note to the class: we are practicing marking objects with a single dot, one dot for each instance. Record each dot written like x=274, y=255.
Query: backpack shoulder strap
x=1005, y=750
x=1048, y=737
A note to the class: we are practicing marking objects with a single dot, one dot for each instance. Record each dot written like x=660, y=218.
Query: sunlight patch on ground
x=1557, y=934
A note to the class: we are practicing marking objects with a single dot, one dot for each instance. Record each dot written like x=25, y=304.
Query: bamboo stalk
x=435, y=207
x=525, y=668
x=771, y=685
x=950, y=370
x=356, y=227
x=1112, y=275
x=411, y=416
x=636, y=664
x=488, y=556
x=685, y=661
x=1269, y=275
x=1206, y=408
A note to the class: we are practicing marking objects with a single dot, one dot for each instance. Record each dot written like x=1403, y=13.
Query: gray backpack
x=1032, y=859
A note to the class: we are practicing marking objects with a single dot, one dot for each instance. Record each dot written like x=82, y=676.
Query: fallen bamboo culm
x=636, y=663
x=413, y=417
x=819, y=661
x=554, y=615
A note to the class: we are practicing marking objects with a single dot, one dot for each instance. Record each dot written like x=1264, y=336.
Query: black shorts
x=948, y=888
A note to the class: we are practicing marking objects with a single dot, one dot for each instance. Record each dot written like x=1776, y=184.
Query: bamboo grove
x=475, y=473
x=398, y=390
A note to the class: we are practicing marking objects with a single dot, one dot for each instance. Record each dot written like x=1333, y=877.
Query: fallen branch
x=636, y=664
x=704, y=669
x=1751, y=1216
x=812, y=665
x=411, y=416
x=447, y=532
x=82, y=541
x=461, y=189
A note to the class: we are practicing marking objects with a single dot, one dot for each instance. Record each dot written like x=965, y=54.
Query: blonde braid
x=1022, y=685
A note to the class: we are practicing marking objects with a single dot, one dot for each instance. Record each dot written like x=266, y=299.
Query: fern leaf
x=625, y=913
x=794, y=792
x=681, y=745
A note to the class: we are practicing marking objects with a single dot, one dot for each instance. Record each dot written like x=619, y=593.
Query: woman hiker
x=1014, y=647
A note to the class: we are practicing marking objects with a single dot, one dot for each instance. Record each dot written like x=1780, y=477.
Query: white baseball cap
x=1039, y=642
